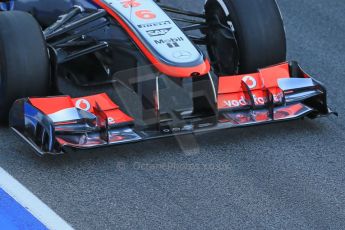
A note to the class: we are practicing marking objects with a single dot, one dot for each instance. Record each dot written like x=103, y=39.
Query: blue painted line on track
x=13, y=216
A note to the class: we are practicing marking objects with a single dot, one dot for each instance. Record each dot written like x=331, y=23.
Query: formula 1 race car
x=121, y=71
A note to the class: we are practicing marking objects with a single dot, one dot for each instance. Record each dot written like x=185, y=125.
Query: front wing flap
x=275, y=93
x=53, y=125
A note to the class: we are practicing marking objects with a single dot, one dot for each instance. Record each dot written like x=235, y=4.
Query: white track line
x=29, y=201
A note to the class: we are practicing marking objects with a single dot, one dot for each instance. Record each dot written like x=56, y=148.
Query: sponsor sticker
x=171, y=42
x=250, y=81
x=130, y=3
x=83, y=104
x=182, y=54
x=258, y=100
x=111, y=121
x=158, y=32
x=154, y=24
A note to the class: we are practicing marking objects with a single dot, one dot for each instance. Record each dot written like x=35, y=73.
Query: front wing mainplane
x=53, y=125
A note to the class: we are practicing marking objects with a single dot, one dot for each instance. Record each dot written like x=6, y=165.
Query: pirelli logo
x=154, y=24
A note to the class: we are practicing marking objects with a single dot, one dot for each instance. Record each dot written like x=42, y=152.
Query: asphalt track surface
x=285, y=176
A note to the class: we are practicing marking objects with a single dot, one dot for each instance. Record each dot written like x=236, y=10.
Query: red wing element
x=100, y=101
x=64, y=108
x=233, y=90
x=50, y=105
x=103, y=107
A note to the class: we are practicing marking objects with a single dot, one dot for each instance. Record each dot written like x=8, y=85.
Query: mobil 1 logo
x=171, y=42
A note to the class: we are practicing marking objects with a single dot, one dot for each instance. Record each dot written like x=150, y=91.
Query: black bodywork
x=103, y=58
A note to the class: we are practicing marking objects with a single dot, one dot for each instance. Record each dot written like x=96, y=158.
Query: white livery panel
x=157, y=31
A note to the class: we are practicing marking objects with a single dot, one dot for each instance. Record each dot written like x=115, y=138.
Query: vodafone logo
x=257, y=100
x=250, y=81
x=83, y=104
x=236, y=103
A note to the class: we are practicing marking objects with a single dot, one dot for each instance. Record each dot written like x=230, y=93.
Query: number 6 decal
x=145, y=14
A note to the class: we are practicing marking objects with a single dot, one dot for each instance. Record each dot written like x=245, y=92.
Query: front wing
x=54, y=125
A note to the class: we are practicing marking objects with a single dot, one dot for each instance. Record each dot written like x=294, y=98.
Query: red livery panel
x=233, y=90
x=100, y=105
